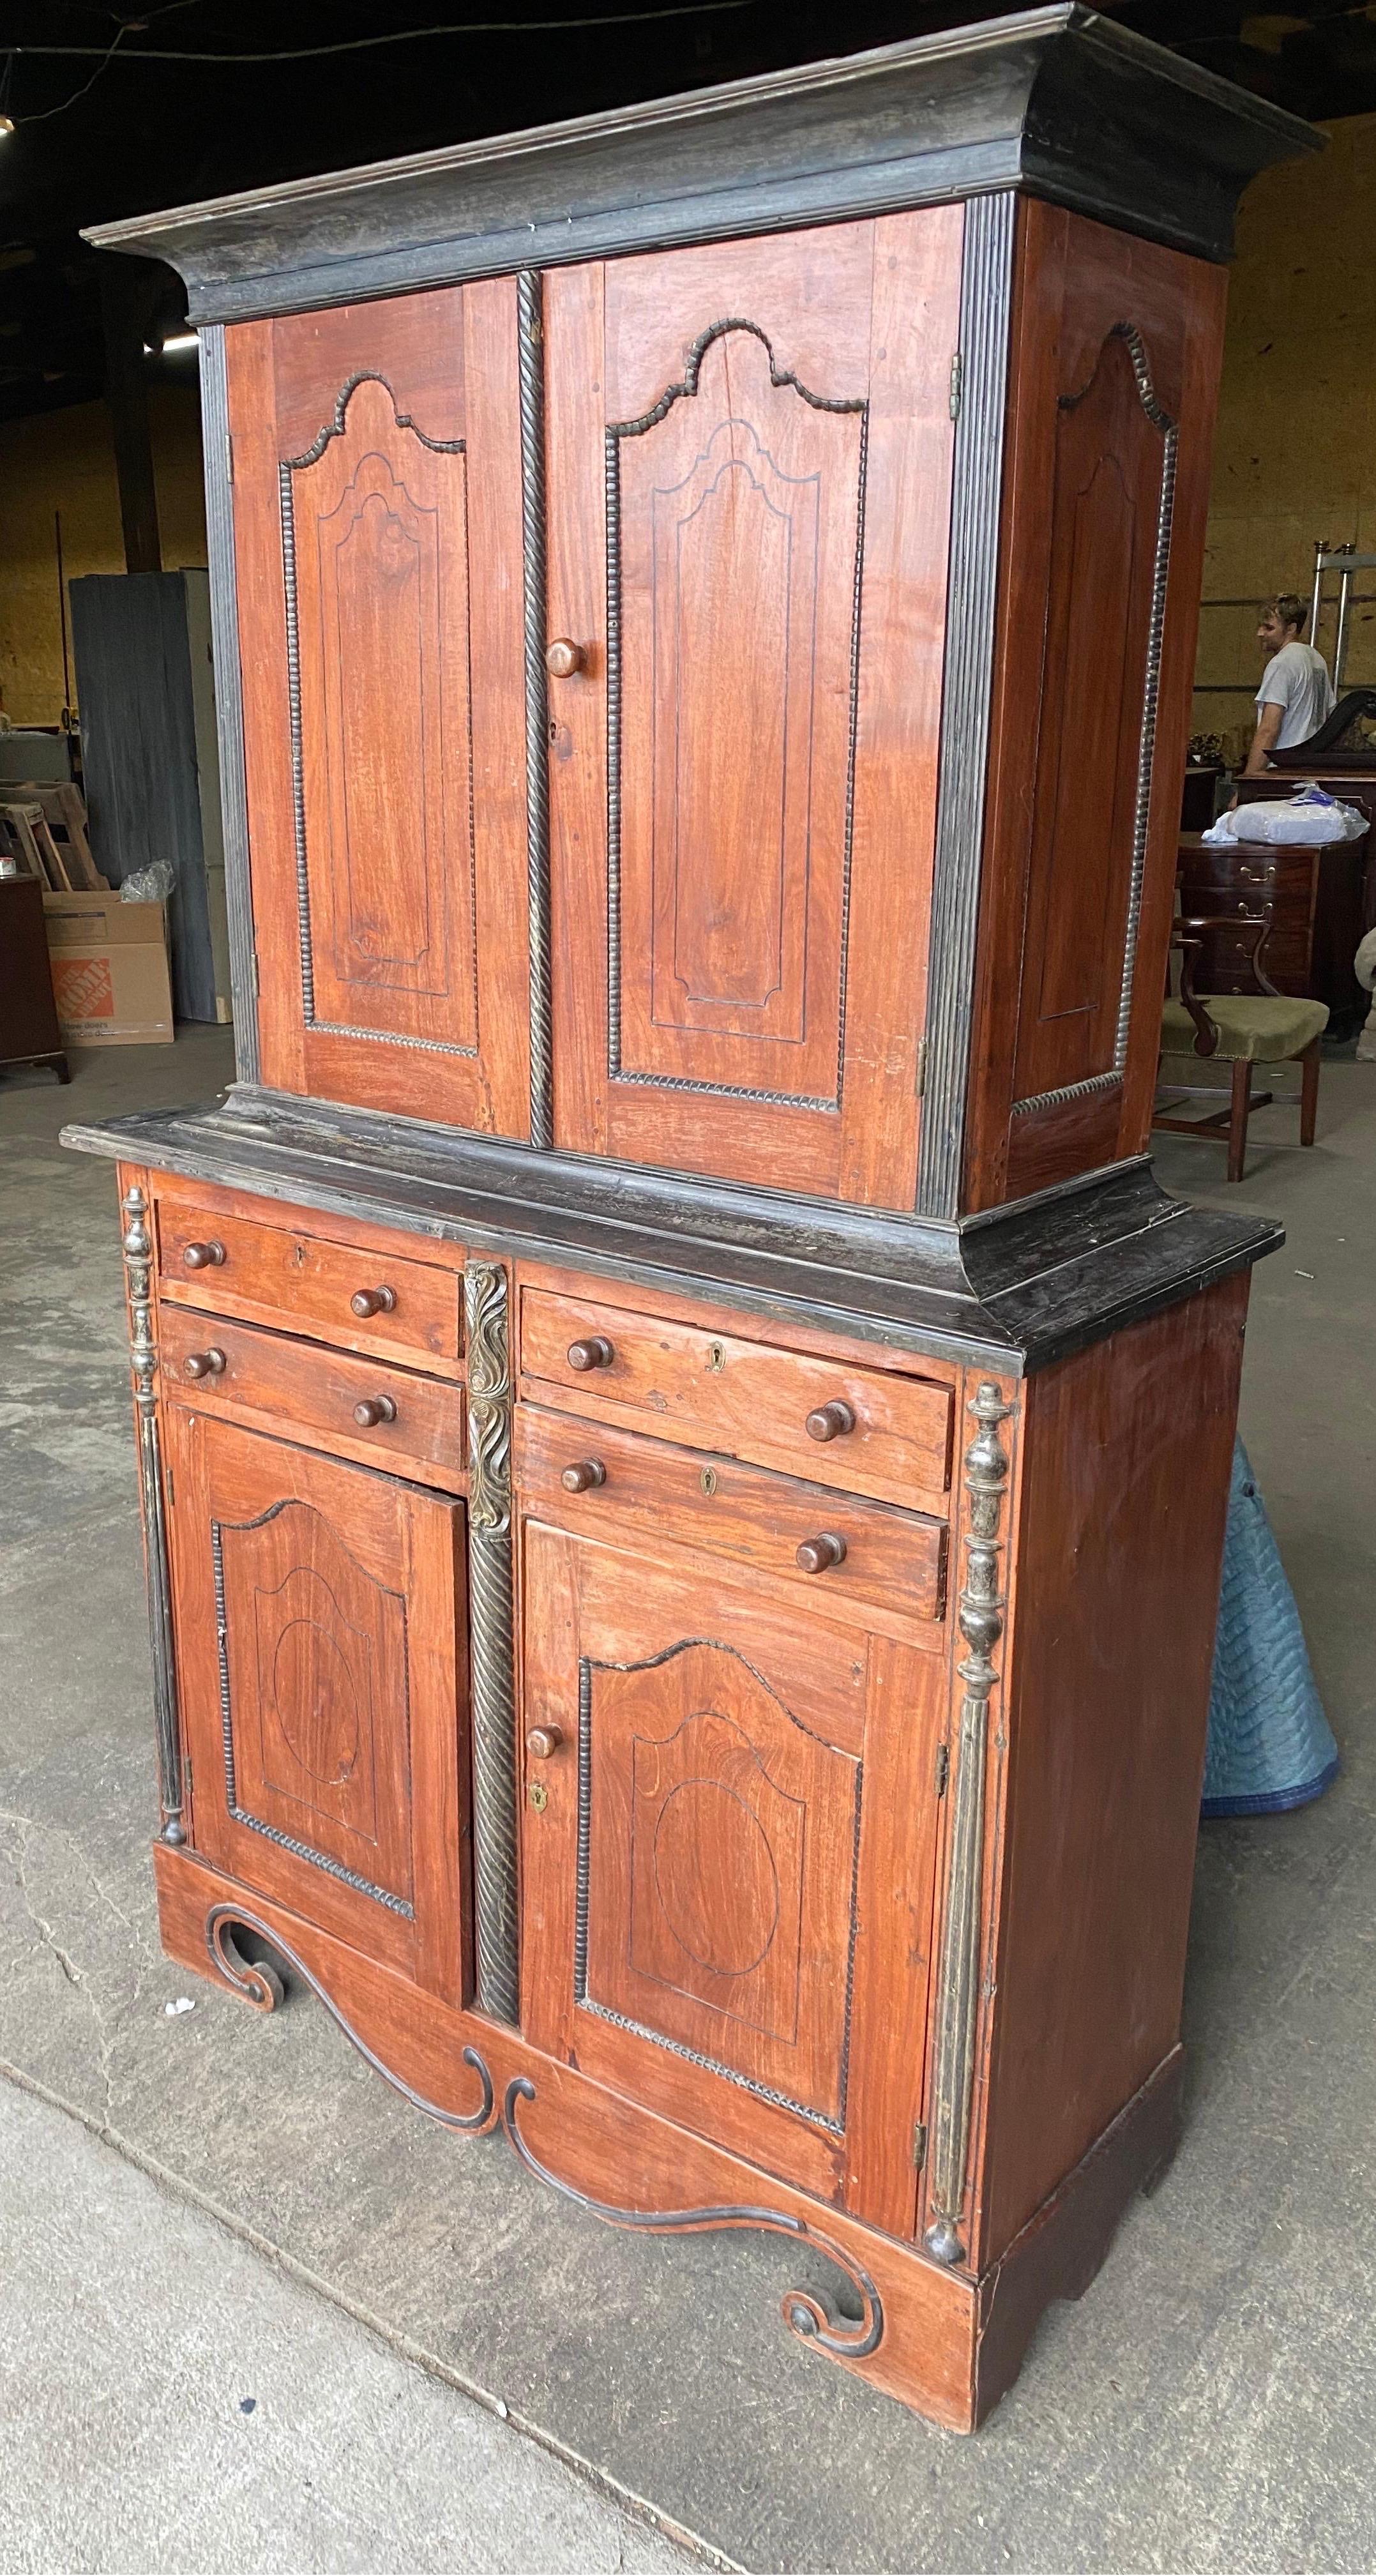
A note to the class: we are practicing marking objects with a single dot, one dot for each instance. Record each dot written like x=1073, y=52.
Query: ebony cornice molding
x=1018, y=1287
x=1058, y=101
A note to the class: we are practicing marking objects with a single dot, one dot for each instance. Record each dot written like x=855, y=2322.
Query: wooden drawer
x=742, y=1397
x=298, y=1390
x=656, y=1492
x=305, y=1281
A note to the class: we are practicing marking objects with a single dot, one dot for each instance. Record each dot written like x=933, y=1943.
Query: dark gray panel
x=986, y=291
x=138, y=736
x=229, y=708
x=1057, y=100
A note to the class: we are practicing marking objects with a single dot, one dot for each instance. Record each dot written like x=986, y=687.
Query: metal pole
x=1340, y=646
x=1316, y=607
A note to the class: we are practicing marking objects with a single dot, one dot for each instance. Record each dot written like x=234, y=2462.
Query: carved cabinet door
x=727, y=1862
x=319, y=1614
x=749, y=450
x=377, y=521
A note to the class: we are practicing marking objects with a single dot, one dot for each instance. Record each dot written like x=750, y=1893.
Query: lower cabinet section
x=320, y=1632
x=727, y=1861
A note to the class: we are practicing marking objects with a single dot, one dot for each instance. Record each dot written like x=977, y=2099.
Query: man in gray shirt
x=1296, y=694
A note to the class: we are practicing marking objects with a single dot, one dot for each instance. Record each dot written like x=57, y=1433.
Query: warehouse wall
x=1296, y=451
x=63, y=460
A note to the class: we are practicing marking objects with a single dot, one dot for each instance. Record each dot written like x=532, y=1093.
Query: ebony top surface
x=1020, y=1287
x=1060, y=101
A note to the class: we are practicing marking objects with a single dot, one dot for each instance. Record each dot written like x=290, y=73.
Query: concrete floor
x=1210, y=2404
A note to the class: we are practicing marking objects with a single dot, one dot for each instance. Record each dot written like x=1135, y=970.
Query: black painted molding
x=1058, y=101
x=1018, y=1287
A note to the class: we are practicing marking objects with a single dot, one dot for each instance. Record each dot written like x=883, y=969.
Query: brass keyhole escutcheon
x=539, y=1796
x=716, y=1357
x=708, y=1480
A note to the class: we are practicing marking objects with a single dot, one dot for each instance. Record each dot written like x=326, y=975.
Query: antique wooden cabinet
x=683, y=1451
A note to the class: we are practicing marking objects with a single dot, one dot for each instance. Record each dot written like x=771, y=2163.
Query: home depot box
x=109, y=962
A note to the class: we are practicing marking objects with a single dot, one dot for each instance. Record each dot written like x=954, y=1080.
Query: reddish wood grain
x=652, y=1491
x=390, y=430
x=1127, y=1451
x=748, y=1400
x=297, y=1388
x=343, y=1606
x=294, y=1275
x=767, y=907
x=1081, y=492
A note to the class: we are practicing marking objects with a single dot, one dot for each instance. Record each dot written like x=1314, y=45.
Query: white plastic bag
x=149, y=885
x=1309, y=817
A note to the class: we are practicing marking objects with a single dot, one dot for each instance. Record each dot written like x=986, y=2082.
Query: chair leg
x=1309, y=1091
x=1237, y=1121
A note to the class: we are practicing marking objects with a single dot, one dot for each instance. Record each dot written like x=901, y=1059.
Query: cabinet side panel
x=1116, y=347
x=1127, y=1451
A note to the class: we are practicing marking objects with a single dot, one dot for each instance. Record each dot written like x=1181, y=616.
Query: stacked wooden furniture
x=684, y=1453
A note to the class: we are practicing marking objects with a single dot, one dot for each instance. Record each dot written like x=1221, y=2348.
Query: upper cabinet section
x=377, y=517
x=749, y=471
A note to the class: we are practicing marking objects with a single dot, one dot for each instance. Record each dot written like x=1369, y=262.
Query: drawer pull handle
x=374, y=1409
x=563, y=657
x=584, y=1472
x=372, y=1301
x=596, y=1352
x=831, y=1420
x=203, y=1363
x=816, y=1554
x=542, y=1741
x=203, y=1256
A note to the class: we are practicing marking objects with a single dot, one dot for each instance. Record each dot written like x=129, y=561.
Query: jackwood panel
x=1113, y=374
x=750, y=452
x=377, y=493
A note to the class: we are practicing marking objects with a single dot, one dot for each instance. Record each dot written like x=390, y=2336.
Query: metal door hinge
x=920, y=1081
x=943, y=1768
x=229, y=458
x=919, y=2144
x=186, y=1776
x=171, y=1487
x=957, y=373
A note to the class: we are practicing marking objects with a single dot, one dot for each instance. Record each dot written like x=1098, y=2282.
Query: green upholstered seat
x=1253, y=1028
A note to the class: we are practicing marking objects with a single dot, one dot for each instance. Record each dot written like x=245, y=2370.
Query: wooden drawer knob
x=596, y=1352
x=372, y=1301
x=374, y=1409
x=816, y=1554
x=583, y=1473
x=830, y=1420
x=563, y=657
x=203, y=1256
x=542, y=1741
x=203, y=1363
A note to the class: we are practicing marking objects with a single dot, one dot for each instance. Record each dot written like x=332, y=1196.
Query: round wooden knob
x=816, y=1554
x=544, y=1740
x=830, y=1420
x=583, y=1473
x=596, y=1352
x=374, y=1409
x=563, y=657
x=203, y=1363
x=372, y=1301
x=203, y=1256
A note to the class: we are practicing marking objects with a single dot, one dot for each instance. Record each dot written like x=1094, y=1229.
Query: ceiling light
x=172, y=348
x=6, y=126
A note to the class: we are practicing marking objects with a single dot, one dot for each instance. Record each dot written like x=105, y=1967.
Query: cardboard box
x=110, y=977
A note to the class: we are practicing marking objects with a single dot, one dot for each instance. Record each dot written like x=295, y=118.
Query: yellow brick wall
x=1296, y=452
x=63, y=460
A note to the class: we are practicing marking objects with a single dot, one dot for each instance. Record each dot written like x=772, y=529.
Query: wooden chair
x=1241, y=1029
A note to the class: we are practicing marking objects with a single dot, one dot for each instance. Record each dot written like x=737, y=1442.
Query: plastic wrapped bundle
x=1270, y=1746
